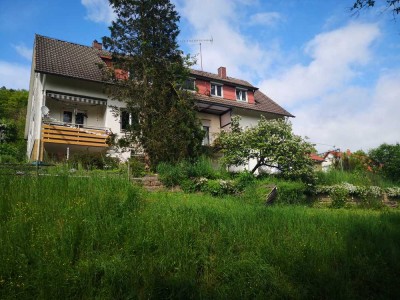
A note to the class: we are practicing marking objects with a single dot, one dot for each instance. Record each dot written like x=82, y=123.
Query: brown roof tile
x=67, y=59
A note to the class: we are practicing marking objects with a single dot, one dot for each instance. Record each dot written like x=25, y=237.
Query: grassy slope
x=72, y=238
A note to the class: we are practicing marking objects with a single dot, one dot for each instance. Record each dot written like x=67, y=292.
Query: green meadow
x=82, y=238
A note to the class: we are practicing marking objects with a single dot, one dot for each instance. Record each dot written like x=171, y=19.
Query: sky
x=337, y=72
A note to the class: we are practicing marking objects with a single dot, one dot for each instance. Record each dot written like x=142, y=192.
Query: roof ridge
x=67, y=42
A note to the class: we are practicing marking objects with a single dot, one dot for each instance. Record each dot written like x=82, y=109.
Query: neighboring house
x=68, y=110
x=317, y=160
x=331, y=158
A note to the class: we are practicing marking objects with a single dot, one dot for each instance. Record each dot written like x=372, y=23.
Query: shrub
x=243, y=180
x=219, y=187
x=171, y=175
x=92, y=161
x=189, y=186
x=338, y=196
x=291, y=192
x=137, y=167
x=174, y=174
x=393, y=192
x=202, y=167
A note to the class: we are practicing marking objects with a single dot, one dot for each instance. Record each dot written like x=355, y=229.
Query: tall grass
x=363, y=178
x=102, y=238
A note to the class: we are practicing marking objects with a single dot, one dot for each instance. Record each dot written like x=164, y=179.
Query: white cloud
x=14, y=76
x=99, y=11
x=354, y=118
x=329, y=107
x=222, y=19
x=334, y=58
x=24, y=51
x=266, y=18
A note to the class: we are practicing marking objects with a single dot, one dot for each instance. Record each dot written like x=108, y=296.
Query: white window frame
x=242, y=92
x=216, y=85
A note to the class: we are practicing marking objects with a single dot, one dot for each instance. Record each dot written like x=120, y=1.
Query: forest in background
x=13, y=104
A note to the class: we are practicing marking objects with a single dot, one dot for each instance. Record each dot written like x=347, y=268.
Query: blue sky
x=339, y=74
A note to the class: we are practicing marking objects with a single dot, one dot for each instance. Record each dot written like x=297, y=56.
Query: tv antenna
x=199, y=41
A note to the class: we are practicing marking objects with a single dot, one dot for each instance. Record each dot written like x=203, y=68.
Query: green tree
x=387, y=160
x=271, y=143
x=13, y=105
x=143, y=43
x=392, y=5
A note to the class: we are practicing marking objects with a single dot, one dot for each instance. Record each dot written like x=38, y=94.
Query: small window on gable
x=190, y=84
x=241, y=95
x=216, y=90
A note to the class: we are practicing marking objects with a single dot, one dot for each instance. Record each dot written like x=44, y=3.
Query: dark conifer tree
x=143, y=42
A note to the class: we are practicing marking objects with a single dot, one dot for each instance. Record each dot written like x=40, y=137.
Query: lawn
x=66, y=237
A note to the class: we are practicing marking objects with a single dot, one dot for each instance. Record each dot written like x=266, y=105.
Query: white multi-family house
x=68, y=110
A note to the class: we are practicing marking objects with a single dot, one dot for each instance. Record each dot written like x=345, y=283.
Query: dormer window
x=241, y=94
x=216, y=89
x=189, y=84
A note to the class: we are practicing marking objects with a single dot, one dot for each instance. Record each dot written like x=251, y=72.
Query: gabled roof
x=53, y=56
x=57, y=57
x=316, y=158
x=334, y=153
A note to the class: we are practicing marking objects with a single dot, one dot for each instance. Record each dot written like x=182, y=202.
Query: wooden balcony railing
x=75, y=136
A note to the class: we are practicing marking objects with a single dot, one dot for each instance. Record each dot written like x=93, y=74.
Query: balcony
x=74, y=134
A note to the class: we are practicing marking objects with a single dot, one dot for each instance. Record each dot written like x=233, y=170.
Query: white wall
x=99, y=116
x=214, y=123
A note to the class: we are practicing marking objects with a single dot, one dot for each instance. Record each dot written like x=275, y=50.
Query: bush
x=338, y=196
x=137, y=167
x=93, y=161
x=291, y=192
x=173, y=174
x=243, y=180
x=201, y=168
x=189, y=186
x=393, y=192
x=219, y=187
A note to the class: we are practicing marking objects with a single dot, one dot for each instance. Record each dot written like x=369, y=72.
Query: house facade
x=68, y=110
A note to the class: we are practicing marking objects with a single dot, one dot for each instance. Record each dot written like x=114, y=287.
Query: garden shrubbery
x=93, y=161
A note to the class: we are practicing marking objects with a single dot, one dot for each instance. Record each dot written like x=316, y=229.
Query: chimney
x=97, y=45
x=222, y=72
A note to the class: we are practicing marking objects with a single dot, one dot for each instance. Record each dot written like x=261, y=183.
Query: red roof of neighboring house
x=315, y=157
x=334, y=153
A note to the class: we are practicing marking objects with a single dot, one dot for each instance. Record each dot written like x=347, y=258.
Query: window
x=241, y=95
x=125, y=120
x=67, y=117
x=206, y=139
x=80, y=118
x=216, y=89
x=189, y=84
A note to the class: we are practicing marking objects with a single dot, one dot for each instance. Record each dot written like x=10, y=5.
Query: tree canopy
x=143, y=44
x=387, y=160
x=272, y=144
x=391, y=5
x=13, y=105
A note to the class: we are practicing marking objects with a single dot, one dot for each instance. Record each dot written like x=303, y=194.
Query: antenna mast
x=199, y=41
